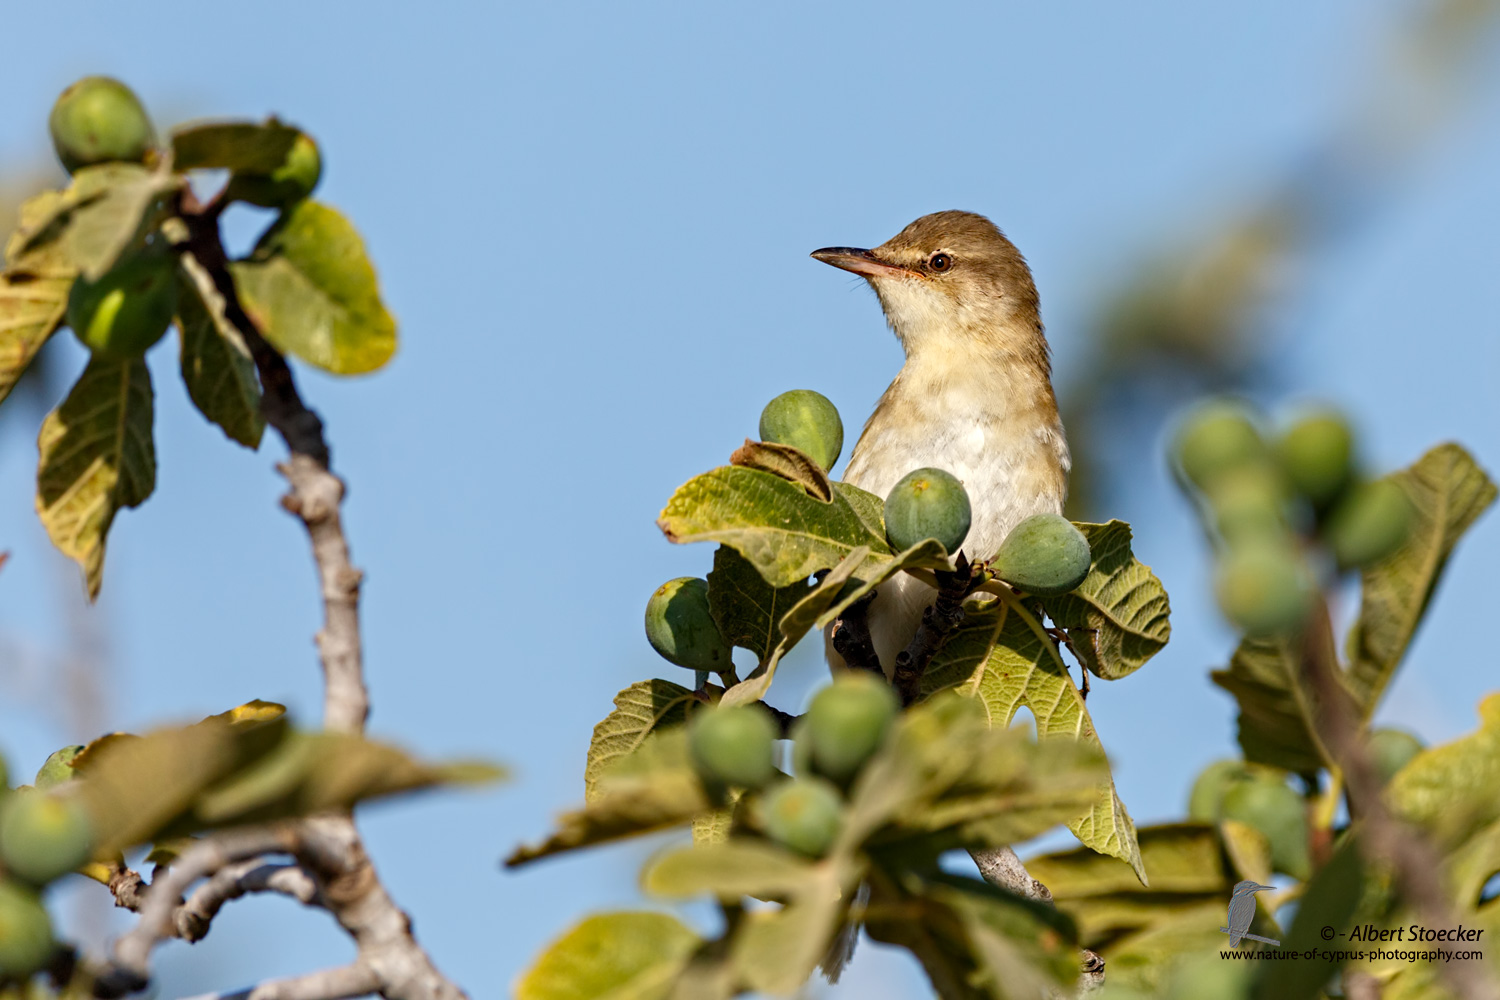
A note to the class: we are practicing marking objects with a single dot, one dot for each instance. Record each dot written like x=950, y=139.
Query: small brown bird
x=974, y=397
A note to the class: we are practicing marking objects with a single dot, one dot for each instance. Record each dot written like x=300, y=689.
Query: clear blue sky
x=593, y=224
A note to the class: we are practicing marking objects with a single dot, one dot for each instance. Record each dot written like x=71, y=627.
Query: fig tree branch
x=191, y=920
x=1384, y=840
x=353, y=980
x=329, y=846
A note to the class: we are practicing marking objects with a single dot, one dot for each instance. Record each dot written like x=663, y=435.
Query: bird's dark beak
x=861, y=262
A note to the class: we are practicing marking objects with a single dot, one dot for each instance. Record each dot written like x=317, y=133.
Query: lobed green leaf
x=1275, y=705
x=640, y=710
x=1448, y=492
x=1006, y=661
x=1118, y=617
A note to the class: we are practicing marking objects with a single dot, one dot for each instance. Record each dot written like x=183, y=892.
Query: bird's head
x=1249, y=888
x=950, y=280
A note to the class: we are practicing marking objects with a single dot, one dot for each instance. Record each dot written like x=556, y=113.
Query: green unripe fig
x=1214, y=438
x=733, y=746
x=1393, y=749
x=292, y=181
x=1278, y=812
x=1369, y=524
x=1206, y=800
x=25, y=931
x=1317, y=454
x=43, y=836
x=1248, y=503
x=680, y=627
x=58, y=768
x=1264, y=587
x=804, y=814
x=99, y=120
x=1044, y=555
x=128, y=308
x=927, y=503
x=807, y=421
x=846, y=723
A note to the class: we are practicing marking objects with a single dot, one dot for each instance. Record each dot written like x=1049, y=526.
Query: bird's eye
x=940, y=262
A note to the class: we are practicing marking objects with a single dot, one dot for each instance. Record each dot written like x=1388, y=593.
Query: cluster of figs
x=733, y=746
x=126, y=310
x=45, y=832
x=1043, y=555
x=1282, y=507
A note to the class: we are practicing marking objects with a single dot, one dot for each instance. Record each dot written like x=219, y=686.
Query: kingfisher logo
x=1242, y=914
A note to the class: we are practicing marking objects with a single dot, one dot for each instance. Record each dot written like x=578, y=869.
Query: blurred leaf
x=311, y=291
x=1448, y=493
x=1117, y=618
x=31, y=309
x=775, y=950
x=1329, y=900
x=998, y=657
x=316, y=772
x=216, y=365
x=786, y=534
x=748, y=610
x=651, y=789
x=931, y=931
x=926, y=554
x=246, y=147
x=238, y=767
x=1449, y=790
x=96, y=457
x=1248, y=849
x=1024, y=949
x=1266, y=679
x=787, y=462
x=640, y=710
x=1189, y=867
x=1144, y=959
x=741, y=867
x=611, y=956
x=84, y=229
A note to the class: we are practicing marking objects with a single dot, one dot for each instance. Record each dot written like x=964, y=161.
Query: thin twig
x=329, y=846
x=191, y=919
x=130, y=971
x=1384, y=839
x=353, y=980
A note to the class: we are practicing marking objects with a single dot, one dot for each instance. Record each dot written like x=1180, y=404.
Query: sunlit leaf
x=96, y=457
x=640, y=710
x=785, y=533
x=775, y=950
x=311, y=290
x=31, y=309
x=1118, y=617
x=85, y=228
x=611, y=956
x=1000, y=658
x=1449, y=790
